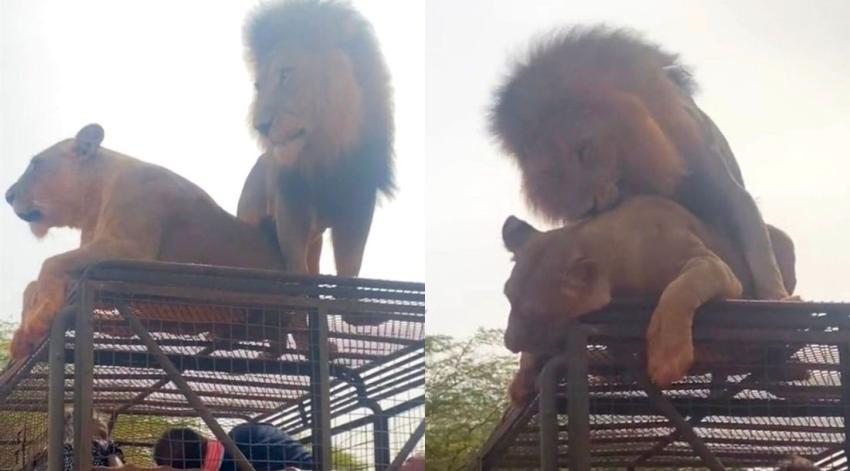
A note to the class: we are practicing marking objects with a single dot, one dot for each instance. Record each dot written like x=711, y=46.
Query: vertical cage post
x=548, y=416
x=381, y=438
x=844, y=365
x=578, y=399
x=83, y=377
x=56, y=395
x=320, y=388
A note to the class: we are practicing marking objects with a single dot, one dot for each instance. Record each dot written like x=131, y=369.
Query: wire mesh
x=240, y=340
x=766, y=385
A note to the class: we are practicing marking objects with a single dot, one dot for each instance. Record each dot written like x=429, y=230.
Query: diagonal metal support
x=505, y=433
x=725, y=394
x=408, y=446
x=181, y=383
x=694, y=420
x=145, y=394
x=684, y=429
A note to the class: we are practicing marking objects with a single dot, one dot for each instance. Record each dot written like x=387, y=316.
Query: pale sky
x=775, y=76
x=168, y=82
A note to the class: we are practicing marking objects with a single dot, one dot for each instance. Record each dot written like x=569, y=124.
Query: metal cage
x=337, y=363
x=767, y=384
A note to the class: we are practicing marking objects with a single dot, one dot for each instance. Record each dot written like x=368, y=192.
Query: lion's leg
x=524, y=386
x=254, y=199
x=670, y=349
x=349, y=234
x=314, y=255
x=29, y=295
x=48, y=296
x=349, y=237
x=783, y=249
x=748, y=224
x=21, y=344
x=294, y=221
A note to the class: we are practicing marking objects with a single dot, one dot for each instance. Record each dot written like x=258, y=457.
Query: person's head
x=181, y=448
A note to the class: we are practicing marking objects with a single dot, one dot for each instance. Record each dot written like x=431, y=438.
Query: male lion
x=126, y=209
x=593, y=115
x=645, y=247
x=323, y=111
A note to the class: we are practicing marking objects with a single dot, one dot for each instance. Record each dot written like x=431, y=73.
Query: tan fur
x=646, y=247
x=593, y=115
x=323, y=110
x=125, y=209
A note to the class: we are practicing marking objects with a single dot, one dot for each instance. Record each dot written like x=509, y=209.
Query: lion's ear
x=88, y=140
x=516, y=232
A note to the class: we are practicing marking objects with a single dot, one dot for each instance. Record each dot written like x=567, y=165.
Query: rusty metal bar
x=693, y=420
x=665, y=407
x=56, y=395
x=258, y=281
x=183, y=385
x=548, y=415
x=218, y=295
x=844, y=361
x=381, y=441
x=150, y=390
x=367, y=420
x=83, y=380
x=320, y=389
x=578, y=397
x=408, y=446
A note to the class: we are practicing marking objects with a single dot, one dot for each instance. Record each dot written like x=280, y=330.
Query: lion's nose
x=263, y=128
x=10, y=194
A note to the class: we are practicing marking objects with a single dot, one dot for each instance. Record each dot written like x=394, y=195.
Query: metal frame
x=567, y=389
x=396, y=372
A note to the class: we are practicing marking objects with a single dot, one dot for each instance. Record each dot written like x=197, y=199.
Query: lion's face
x=48, y=193
x=571, y=164
x=306, y=97
x=550, y=285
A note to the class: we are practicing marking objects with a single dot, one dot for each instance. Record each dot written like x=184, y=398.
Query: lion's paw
x=522, y=389
x=21, y=346
x=670, y=353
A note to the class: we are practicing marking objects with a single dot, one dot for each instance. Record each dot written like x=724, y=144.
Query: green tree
x=466, y=394
x=6, y=330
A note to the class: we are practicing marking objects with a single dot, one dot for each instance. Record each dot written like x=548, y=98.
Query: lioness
x=126, y=209
x=646, y=247
x=323, y=112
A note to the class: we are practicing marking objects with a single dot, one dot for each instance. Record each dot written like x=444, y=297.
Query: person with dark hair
x=266, y=447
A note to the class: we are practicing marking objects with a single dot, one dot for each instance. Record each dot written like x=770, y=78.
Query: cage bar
x=154, y=345
x=769, y=382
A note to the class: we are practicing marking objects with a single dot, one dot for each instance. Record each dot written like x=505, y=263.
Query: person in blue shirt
x=266, y=447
